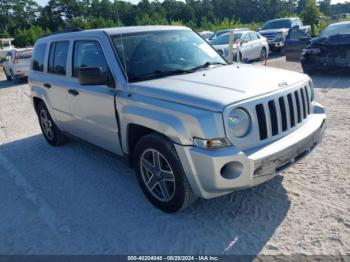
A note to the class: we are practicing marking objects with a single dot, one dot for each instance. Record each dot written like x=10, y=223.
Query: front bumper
x=276, y=44
x=204, y=167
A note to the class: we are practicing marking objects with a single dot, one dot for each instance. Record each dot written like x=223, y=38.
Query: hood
x=274, y=31
x=214, y=89
x=334, y=40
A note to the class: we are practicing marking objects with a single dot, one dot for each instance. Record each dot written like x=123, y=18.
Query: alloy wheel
x=157, y=175
x=46, y=124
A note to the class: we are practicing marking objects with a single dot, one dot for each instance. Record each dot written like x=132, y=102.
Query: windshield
x=336, y=30
x=224, y=39
x=217, y=34
x=277, y=24
x=153, y=54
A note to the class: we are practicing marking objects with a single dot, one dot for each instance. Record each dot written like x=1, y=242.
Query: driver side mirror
x=93, y=76
x=242, y=42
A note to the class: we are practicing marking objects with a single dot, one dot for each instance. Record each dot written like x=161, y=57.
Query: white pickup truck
x=189, y=123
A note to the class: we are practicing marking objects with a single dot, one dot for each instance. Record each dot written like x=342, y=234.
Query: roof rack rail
x=68, y=30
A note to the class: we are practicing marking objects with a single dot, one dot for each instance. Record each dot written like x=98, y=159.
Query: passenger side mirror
x=93, y=76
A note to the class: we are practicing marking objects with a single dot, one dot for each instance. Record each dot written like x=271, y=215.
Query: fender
x=161, y=122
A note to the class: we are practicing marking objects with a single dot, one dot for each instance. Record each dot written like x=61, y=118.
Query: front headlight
x=279, y=36
x=239, y=122
x=311, y=51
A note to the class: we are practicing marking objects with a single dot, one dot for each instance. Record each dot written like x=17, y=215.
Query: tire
x=12, y=76
x=169, y=174
x=54, y=137
x=8, y=78
x=263, y=54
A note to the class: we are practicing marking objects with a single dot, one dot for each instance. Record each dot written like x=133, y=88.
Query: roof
x=341, y=23
x=113, y=31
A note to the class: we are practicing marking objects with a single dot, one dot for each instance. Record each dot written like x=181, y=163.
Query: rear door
x=246, y=47
x=256, y=45
x=296, y=41
x=56, y=83
x=24, y=61
x=93, y=106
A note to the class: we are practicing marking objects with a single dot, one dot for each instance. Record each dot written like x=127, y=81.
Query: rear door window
x=38, y=57
x=254, y=36
x=58, y=58
x=296, y=34
x=246, y=38
x=26, y=54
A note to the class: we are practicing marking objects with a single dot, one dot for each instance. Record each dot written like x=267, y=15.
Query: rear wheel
x=12, y=76
x=48, y=127
x=160, y=174
x=8, y=78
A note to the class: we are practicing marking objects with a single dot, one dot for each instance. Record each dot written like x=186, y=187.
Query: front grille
x=282, y=113
x=269, y=36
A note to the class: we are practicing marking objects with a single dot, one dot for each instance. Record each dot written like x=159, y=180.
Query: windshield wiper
x=158, y=73
x=205, y=65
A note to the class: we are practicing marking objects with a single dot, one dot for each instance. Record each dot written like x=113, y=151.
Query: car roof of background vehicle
x=110, y=31
x=340, y=23
x=286, y=18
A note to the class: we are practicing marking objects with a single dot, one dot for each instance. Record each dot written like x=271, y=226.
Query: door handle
x=73, y=92
x=47, y=85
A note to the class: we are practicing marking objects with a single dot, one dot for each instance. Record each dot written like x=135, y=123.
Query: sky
x=44, y=2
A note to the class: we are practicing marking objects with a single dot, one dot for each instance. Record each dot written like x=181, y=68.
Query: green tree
x=311, y=14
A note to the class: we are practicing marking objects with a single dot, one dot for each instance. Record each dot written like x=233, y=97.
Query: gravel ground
x=78, y=200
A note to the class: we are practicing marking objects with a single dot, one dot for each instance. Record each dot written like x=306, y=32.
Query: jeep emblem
x=283, y=84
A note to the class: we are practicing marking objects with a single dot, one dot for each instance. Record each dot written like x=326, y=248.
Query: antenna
x=123, y=52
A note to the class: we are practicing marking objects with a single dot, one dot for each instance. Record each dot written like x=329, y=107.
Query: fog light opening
x=231, y=170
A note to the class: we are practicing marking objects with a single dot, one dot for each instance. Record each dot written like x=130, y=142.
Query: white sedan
x=17, y=63
x=248, y=45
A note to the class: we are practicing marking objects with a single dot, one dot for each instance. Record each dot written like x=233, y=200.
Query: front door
x=93, y=108
x=296, y=41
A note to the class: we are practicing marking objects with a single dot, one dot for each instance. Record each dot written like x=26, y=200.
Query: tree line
x=26, y=21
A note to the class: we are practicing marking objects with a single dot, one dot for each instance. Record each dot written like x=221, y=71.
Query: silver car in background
x=247, y=45
x=206, y=34
x=17, y=63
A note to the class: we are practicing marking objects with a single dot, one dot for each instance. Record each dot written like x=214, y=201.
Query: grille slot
x=307, y=100
x=298, y=105
x=261, y=121
x=283, y=113
x=304, y=102
x=291, y=110
x=279, y=115
x=273, y=117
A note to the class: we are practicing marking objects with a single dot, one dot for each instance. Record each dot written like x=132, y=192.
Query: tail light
x=15, y=58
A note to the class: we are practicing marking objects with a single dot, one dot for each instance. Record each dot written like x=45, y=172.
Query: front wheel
x=263, y=54
x=48, y=127
x=161, y=175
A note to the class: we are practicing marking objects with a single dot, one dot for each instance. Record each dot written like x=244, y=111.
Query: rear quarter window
x=39, y=57
x=25, y=54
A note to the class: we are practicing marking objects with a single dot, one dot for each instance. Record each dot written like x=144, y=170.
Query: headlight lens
x=311, y=51
x=239, y=122
x=279, y=36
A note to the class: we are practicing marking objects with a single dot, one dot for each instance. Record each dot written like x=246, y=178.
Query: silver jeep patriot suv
x=188, y=122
